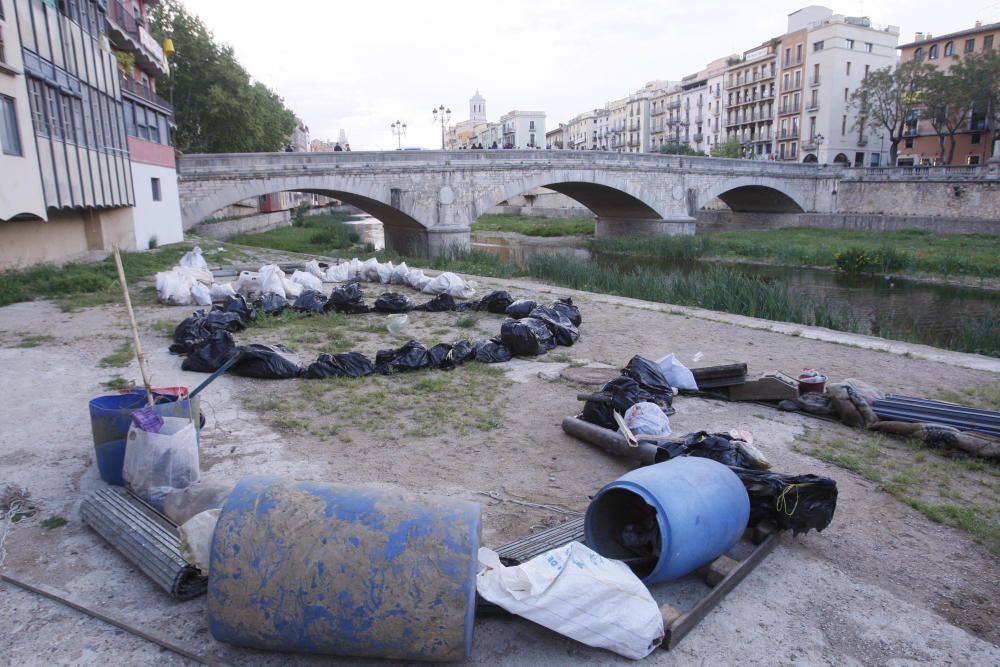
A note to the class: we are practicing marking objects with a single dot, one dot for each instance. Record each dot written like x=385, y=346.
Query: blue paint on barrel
x=309, y=567
x=701, y=510
x=110, y=418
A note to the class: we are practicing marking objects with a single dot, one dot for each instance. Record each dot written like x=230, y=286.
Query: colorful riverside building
x=974, y=142
x=85, y=155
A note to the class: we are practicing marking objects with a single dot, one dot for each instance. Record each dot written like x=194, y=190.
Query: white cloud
x=361, y=65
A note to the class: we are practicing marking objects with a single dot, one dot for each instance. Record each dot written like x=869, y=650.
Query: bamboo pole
x=135, y=331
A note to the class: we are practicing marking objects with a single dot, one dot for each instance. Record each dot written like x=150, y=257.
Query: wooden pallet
x=719, y=577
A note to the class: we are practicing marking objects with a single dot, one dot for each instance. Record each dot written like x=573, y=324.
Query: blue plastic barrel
x=110, y=418
x=318, y=568
x=695, y=508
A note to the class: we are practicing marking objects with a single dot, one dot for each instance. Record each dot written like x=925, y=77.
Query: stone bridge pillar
x=612, y=227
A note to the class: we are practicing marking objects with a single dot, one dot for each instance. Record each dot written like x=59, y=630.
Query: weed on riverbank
x=533, y=226
x=316, y=235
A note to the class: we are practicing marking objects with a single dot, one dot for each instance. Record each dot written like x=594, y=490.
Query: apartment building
x=555, y=139
x=750, y=94
x=148, y=121
x=791, y=82
x=523, y=129
x=974, y=142
x=659, y=126
x=581, y=132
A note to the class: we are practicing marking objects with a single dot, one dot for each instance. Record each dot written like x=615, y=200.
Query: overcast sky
x=361, y=64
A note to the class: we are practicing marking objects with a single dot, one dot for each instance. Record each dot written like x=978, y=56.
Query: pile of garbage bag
x=191, y=281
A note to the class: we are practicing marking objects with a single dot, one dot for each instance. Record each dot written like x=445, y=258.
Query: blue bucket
x=110, y=418
x=318, y=568
x=701, y=509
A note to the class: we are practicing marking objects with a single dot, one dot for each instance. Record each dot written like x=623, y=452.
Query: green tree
x=978, y=75
x=731, y=148
x=888, y=99
x=218, y=108
x=947, y=105
x=679, y=149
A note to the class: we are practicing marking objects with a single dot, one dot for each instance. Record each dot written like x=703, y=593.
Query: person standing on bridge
x=337, y=148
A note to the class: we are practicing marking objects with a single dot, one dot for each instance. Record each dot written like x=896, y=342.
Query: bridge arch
x=753, y=195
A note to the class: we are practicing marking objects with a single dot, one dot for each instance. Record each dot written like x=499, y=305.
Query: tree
x=947, y=104
x=978, y=75
x=731, y=148
x=888, y=99
x=218, y=108
x=679, y=149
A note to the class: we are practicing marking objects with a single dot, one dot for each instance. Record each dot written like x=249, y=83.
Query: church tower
x=477, y=107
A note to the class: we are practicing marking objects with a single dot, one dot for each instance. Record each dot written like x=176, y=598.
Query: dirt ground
x=882, y=584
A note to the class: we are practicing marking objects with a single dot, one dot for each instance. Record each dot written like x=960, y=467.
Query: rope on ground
x=551, y=508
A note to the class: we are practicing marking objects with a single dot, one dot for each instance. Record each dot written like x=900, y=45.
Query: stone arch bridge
x=428, y=200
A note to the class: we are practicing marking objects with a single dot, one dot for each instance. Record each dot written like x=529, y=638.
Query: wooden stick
x=135, y=331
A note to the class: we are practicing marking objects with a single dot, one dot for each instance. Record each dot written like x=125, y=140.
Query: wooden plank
x=719, y=569
x=678, y=628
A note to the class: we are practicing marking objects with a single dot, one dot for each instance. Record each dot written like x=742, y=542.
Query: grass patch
x=34, y=340
x=119, y=358
x=117, y=383
x=313, y=235
x=946, y=487
x=80, y=284
x=981, y=396
x=532, y=226
x=54, y=522
x=915, y=251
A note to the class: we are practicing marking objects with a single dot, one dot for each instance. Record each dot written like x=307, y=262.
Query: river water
x=924, y=311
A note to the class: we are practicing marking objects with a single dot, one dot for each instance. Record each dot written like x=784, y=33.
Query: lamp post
x=818, y=140
x=399, y=131
x=441, y=115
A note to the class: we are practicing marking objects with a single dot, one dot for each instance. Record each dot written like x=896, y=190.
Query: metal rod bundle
x=920, y=410
x=528, y=547
x=146, y=538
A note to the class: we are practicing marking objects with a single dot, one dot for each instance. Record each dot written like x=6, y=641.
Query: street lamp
x=441, y=115
x=399, y=131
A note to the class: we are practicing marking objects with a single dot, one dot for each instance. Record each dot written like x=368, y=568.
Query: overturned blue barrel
x=668, y=519
x=319, y=568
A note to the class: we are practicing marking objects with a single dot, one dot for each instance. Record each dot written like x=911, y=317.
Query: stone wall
x=260, y=222
x=722, y=221
x=921, y=198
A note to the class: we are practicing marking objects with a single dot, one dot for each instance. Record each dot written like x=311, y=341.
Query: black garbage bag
x=520, y=308
x=410, y=357
x=346, y=365
x=237, y=303
x=393, y=302
x=717, y=446
x=463, y=351
x=310, y=301
x=267, y=362
x=562, y=329
x=566, y=307
x=348, y=299
x=466, y=306
x=271, y=303
x=210, y=355
x=201, y=326
x=624, y=393
x=797, y=502
x=527, y=337
x=495, y=302
x=491, y=352
x=654, y=386
x=441, y=357
x=438, y=304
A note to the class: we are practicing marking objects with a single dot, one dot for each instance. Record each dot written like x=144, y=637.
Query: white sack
x=449, y=283
x=384, y=272
x=399, y=274
x=196, y=538
x=194, y=260
x=647, y=419
x=292, y=289
x=578, y=593
x=201, y=294
x=369, y=270
x=312, y=267
x=174, y=288
x=182, y=504
x=307, y=280
x=416, y=279
x=354, y=270
x=337, y=274
x=677, y=374
x=155, y=463
x=271, y=280
x=222, y=291
x=248, y=283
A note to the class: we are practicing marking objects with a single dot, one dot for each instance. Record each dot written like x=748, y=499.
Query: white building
x=556, y=139
x=299, y=141
x=523, y=129
x=464, y=134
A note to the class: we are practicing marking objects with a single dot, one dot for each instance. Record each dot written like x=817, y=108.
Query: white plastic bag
x=369, y=270
x=384, y=272
x=201, y=294
x=578, y=593
x=449, y=283
x=271, y=279
x=292, y=289
x=337, y=274
x=647, y=419
x=399, y=274
x=312, y=267
x=194, y=260
x=416, y=279
x=155, y=463
x=196, y=538
x=182, y=504
x=354, y=270
x=174, y=288
x=307, y=280
x=676, y=373
x=220, y=291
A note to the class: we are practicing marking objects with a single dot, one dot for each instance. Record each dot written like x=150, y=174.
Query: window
x=788, y=56
x=37, y=100
x=866, y=70
x=976, y=138
x=818, y=46
x=52, y=112
x=987, y=42
x=154, y=127
x=933, y=52
x=919, y=53
x=850, y=43
x=847, y=94
x=10, y=138
x=847, y=70
x=815, y=74
x=876, y=159
x=843, y=125
x=909, y=142
x=129, y=118
x=798, y=53
x=868, y=47
x=3, y=58
x=949, y=49
x=970, y=45
x=531, y=125
x=65, y=108
x=155, y=183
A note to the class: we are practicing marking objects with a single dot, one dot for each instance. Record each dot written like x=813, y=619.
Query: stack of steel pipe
x=146, y=538
x=528, y=547
x=921, y=410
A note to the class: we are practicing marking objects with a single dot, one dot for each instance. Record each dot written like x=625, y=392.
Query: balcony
x=791, y=86
x=698, y=137
x=862, y=141
x=785, y=133
x=810, y=144
x=814, y=81
x=129, y=35
x=791, y=108
x=812, y=105
x=135, y=89
x=674, y=104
